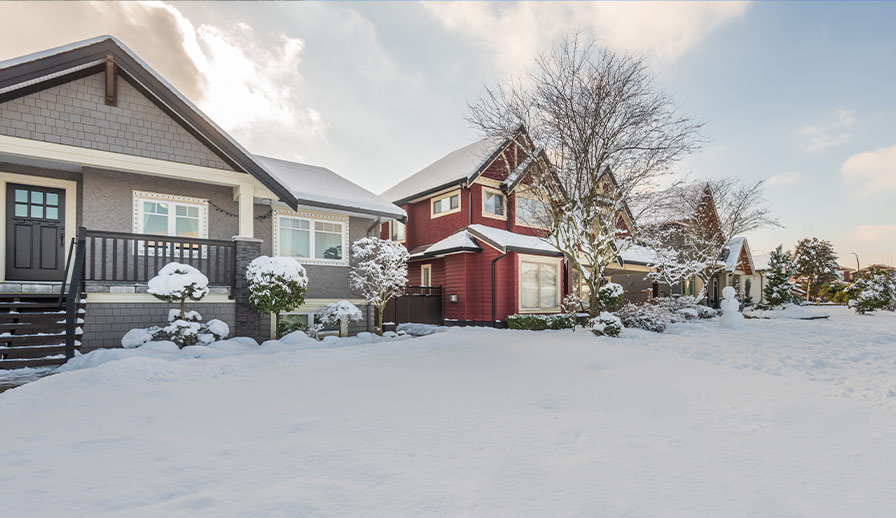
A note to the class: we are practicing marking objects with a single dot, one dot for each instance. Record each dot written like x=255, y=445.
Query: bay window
x=539, y=283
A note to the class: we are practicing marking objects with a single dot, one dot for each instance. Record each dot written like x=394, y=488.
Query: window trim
x=486, y=214
x=427, y=267
x=140, y=196
x=516, y=214
x=312, y=217
x=557, y=263
x=432, y=203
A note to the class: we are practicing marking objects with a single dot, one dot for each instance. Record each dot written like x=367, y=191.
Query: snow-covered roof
x=51, y=63
x=734, y=247
x=458, y=242
x=455, y=167
x=507, y=241
x=637, y=254
x=760, y=262
x=320, y=187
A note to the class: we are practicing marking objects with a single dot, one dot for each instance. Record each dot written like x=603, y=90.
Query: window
x=311, y=238
x=426, y=275
x=169, y=215
x=39, y=205
x=493, y=203
x=396, y=230
x=530, y=212
x=581, y=288
x=446, y=204
x=539, y=284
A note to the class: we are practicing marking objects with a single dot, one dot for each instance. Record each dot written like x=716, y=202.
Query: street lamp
x=857, y=263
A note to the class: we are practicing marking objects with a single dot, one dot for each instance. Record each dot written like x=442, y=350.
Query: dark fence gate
x=419, y=304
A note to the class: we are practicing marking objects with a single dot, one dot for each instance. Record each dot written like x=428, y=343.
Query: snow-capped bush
x=336, y=313
x=178, y=282
x=540, y=322
x=650, y=317
x=276, y=284
x=380, y=273
x=778, y=285
x=135, y=338
x=872, y=291
x=685, y=308
x=610, y=296
x=605, y=324
x=182, y=331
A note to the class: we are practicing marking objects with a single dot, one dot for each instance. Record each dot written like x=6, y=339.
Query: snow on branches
x=178, y=282
x=337, y=313
x=872, y=291
x=276, y=284
x=380, y=271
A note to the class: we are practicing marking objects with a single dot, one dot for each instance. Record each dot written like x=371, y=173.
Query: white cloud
x=783, y=179
x=875, y=233
x=877, y=169
x=516, y=31
x=830, y=133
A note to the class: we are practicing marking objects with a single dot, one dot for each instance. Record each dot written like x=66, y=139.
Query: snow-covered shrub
x=605, y=324
x=135, y=338
x=380, y=272
x=276, y=284
x=178, y=282
x=610, y=296
x=685, y=308
x=571, y=306
x=872, y=291
x=650, y=317
x=540, y=322
x=336, y=313
x=182, y=331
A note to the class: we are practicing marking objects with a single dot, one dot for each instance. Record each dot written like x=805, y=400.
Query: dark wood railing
x=135, y=258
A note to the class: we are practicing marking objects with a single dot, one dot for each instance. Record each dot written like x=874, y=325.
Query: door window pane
x=52, y=199
x=22, y=195
x=37, y=211
x=21, y=210
x=52, y=213
x=37, y=197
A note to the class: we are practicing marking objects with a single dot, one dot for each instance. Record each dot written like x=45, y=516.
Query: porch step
x=32, y=329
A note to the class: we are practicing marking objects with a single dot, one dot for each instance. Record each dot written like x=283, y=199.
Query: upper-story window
x=493, y=203
x=531, y=212
x=397, y=230
x=170, y=215
x=446, y=204
x=311, y=238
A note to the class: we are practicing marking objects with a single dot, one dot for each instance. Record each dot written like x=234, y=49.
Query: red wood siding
x=422, y=229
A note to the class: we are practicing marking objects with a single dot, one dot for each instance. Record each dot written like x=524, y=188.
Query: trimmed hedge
x=540, y=322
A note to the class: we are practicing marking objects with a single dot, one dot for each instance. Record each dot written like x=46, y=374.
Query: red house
x=470, y=229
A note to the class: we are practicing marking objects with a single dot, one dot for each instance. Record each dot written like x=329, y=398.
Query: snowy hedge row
x=540, y=322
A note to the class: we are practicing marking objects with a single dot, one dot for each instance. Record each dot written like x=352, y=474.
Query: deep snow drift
x=700, y=421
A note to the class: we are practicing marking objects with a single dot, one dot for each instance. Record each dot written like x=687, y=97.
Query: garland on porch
x=262, y=217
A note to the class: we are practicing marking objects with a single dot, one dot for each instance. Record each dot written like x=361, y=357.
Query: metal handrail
x=68, y=262
x=74, y=294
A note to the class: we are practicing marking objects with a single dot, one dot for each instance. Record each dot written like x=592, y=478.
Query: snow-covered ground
x=474, y=422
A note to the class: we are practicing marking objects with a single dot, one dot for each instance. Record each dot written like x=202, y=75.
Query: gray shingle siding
x=75, y=114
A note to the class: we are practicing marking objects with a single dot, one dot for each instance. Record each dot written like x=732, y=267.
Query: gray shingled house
x=93, y=142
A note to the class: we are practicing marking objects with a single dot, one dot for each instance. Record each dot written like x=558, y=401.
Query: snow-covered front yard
x=786, y=418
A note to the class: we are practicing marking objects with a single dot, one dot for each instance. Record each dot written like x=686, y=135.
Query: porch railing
x=119, y=257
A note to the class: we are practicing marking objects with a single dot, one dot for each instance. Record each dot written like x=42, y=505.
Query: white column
x=245, y=194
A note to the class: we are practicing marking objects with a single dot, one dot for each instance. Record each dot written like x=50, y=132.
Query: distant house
x=92, y=138
x=472, y=231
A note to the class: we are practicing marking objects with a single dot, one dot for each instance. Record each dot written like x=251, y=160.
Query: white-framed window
x=426, y=275
x=531, y=212
x=494, y=203
x=540, y=283
x=311, y=238
x=445, y=204
x=397, y=231
x=170, y=215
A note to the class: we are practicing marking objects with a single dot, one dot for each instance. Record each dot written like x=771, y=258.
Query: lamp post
x=857, y=264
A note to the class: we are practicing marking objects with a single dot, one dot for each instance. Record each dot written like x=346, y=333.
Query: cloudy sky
x=800, y=94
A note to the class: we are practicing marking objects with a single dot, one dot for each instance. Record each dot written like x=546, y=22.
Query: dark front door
x=35, y=230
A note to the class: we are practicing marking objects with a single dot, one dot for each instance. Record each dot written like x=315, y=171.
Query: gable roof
x=732, y=252
x=41, y=70
x=457, y=167
x=320, y=187
x=506, y=241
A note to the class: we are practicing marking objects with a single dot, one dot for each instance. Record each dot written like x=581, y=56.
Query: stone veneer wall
x=106, y=322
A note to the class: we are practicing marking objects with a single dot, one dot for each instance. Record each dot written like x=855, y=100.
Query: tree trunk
x=593, y=303
x=277, y=325
x=808, y=289
x=183, y=308
x=382, y=310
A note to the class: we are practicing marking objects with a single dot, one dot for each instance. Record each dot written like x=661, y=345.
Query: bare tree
x=697, y=221
x=605, y=136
